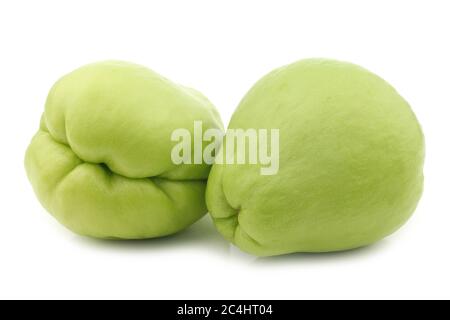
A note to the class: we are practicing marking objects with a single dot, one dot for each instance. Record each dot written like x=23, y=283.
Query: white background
x=221, y=48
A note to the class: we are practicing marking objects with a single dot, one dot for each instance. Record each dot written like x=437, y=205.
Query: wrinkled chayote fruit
x=350, y=163
x=101, y=160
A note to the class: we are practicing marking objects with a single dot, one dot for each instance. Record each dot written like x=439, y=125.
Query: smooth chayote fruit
x=350, y=163
x=101, y=160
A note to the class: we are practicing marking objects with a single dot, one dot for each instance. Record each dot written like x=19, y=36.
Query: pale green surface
x=100, y=162
x=351, y=158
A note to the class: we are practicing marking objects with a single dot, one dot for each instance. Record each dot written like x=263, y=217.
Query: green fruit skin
x=100, y=162
x=351, y=163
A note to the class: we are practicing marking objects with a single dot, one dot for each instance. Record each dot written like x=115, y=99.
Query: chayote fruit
x=101, y=160
x=351, y=154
